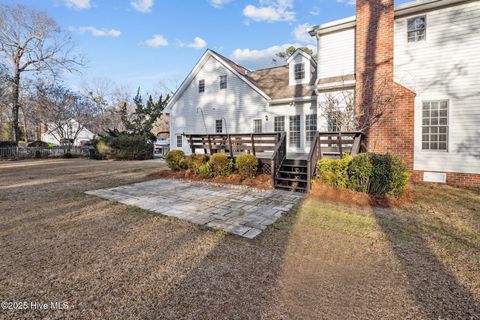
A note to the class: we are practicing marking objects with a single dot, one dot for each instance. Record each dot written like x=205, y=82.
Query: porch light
x=266, y=117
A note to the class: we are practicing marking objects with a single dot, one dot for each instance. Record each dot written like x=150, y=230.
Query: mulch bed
x=347, y=196
x=262, y=181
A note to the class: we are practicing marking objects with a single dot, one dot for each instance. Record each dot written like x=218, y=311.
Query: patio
x=238, y=210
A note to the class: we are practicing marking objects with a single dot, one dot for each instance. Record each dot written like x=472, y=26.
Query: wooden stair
x=292, y=176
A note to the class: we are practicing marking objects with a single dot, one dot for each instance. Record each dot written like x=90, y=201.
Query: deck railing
x=234, y=144
x=332, y=144
x=279, y=154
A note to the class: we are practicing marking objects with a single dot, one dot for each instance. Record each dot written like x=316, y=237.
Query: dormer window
x=299, y=71
x=416, y=29
x=201, y=86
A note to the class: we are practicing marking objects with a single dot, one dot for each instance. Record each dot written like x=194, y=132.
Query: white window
x=299, y=71
x=179, y=141
x=416, y=29
x=201, y=86
x=223, y=82
x=310, y=127
x=435, y=125
x=279, y=124
x=257, y=126
x=219, y=126
x=294, y=136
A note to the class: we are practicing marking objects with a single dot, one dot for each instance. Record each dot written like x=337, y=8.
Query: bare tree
x=343, y=113
x=65, y=113
x=32, y=42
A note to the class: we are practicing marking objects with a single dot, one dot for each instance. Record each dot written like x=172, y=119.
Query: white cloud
x=142, y=5
x=300, y=33
x=315, y=11
x=78, y=4
x=271, y=11
x=255, y=59
x=350, y=2
x=219, y=3
x=98, y=32
x=157, y=41
x=198, y=43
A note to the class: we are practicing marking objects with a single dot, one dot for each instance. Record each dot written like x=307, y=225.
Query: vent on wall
x=438, y=177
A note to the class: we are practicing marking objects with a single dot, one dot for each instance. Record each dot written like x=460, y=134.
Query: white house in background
x=53, y=134
x=430, y=49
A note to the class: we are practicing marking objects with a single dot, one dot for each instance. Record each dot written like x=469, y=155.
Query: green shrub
x=205, y=171
x=359, y=172
x=195, y=161
x=68, y=155
x=247, y=165
x=176, y=160
x=38, y=144
x=389, y=175
x=334, y=172
x=125, y=147
x=220, y=164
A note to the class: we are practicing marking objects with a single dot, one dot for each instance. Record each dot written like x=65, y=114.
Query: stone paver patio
x=239, y=210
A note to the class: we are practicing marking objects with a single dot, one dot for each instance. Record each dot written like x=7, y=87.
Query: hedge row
x=376, y=174
x=217, y=164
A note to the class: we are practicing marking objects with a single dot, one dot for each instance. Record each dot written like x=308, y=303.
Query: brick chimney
x=374, y=55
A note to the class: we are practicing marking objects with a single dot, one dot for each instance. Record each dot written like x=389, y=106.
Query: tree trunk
x=16, y=106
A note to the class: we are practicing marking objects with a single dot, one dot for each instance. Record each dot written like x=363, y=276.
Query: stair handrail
x=279, y=154
x=313, y=156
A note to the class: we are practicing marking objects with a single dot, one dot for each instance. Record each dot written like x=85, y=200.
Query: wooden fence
x=14, y=152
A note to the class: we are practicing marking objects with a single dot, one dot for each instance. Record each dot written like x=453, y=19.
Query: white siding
x=445, y=66
x=336, y=54
x=239, y=104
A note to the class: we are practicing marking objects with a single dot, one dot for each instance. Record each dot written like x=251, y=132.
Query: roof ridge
x=231, y=61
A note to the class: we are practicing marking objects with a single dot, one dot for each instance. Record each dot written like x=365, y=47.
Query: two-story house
x=425, y=54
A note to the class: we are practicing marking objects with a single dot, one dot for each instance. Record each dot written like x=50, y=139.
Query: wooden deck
x=290, y=171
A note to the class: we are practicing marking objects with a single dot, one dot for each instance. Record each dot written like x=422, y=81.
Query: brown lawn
x=325, y=260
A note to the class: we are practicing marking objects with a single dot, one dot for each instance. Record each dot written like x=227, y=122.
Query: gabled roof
x=275, y=82
x=238, y=70
x=302, y=53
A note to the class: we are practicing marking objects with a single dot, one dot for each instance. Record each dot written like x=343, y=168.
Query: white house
x=74, y=131
x=429, y=52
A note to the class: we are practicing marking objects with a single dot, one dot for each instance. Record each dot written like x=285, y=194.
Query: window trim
x=275, y=123
x=216, y=126
x=181, y=141
x=447, y=125
x=254, y=127
x=303, y=70
x=201, y=86
x=407, y=31
x=299, y=131
x=309, y=143
x=221, y=83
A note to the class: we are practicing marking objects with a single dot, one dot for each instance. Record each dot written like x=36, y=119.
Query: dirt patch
x=262, y=181
x=350, y=197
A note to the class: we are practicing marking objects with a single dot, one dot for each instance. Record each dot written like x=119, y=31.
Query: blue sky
x=142, y=42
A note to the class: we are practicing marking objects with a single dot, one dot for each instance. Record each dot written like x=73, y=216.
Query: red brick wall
x=456, y=179
x=393, y=132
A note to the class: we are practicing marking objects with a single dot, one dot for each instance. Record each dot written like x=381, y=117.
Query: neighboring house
x=426, y=50
x=52, y=134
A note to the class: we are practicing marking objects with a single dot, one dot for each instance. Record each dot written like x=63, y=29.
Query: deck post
x=209, y=143
x=190, y=140
x=340, y=149
x=230, y=145
x=253, y=144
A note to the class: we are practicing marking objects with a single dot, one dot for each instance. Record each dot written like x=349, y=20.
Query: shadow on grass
x=435, y=290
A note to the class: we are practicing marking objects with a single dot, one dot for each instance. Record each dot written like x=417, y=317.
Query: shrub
x=359, y=172
x=38, y=144
x=334, y=172
x=205, y=171
x=176, y=160
x=68, y=155
x=195, y=161
x=389, y=175
x=247, y=165
x=125, y=147
x=220, y=164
